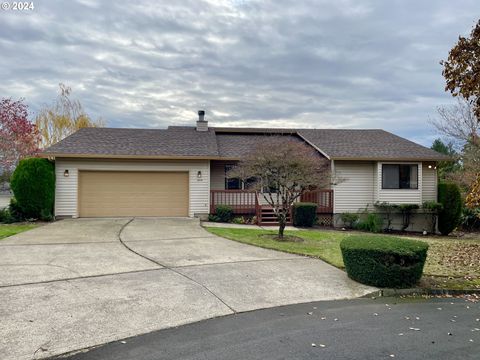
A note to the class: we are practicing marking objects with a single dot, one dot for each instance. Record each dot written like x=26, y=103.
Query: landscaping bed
x=452, y=262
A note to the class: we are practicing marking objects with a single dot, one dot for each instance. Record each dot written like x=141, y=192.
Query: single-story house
x=181, y=171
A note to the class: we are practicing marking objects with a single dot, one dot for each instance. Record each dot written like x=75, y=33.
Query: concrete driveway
x=78, y=283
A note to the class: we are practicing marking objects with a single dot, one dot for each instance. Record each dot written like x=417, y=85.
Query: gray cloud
x=305, y=63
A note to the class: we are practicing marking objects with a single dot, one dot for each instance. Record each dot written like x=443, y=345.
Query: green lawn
x=321, y=244
x=447, y=257
x=9, y=230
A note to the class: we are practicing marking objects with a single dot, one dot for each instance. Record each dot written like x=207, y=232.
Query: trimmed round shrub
x=224, y=213
x=384, y=261
x=304, y=214
x=33, y=185
x=451, y=199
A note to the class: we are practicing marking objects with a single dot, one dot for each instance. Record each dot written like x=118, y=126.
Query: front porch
x=249, y=202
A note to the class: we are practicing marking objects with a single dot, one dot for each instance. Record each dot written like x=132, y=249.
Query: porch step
x=268, y=217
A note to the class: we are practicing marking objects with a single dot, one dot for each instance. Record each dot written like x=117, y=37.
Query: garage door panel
x=121, y=193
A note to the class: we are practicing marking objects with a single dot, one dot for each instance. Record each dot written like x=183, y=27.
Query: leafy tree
x=63, y=118
x=284, y=170
x=472, y=200
x=18, y=136
x=462, y=68
x=446, y=168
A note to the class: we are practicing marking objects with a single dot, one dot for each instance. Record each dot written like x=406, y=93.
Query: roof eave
x=138, y=157
x=389, y=159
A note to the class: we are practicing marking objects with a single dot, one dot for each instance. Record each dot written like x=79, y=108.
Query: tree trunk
x=281, y=228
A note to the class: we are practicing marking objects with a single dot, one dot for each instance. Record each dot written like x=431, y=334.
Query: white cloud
x=305, y=63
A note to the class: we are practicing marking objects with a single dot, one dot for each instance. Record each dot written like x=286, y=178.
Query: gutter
x=137, y=157
x=386, y=159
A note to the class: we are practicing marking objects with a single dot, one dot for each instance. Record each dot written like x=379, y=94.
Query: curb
x=420, y=291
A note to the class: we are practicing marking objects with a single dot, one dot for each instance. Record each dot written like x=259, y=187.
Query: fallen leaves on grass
x=453, y=258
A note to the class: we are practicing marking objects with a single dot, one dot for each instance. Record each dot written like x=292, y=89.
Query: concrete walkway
x=78, y=283
x=244, y=226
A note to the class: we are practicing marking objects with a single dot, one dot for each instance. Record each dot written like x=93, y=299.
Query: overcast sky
x=302, y=63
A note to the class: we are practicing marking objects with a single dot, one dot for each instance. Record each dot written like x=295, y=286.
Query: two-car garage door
x=124, y=193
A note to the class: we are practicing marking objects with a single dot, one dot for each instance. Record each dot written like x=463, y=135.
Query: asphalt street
x=382, y=328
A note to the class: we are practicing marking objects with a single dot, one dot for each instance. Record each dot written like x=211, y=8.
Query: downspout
x=332, y=177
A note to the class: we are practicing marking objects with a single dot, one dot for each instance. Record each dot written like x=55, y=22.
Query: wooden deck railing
x=242, y=201
x=323, y=199
x=248, y=202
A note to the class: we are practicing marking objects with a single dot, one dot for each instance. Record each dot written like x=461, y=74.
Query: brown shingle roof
x=238, y=145
x=186, y=142
x=172, y=142
x=367, y=145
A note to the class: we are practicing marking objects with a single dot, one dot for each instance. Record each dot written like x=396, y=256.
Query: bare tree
x=282, y=169
x=458, y=123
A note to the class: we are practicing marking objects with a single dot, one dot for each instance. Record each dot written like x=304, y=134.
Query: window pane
x=390, y=177
x=401, y=176
x=413, y=176
x=231, y=183
x=404, y=176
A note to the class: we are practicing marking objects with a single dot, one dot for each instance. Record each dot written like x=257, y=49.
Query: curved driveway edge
x=73, y=284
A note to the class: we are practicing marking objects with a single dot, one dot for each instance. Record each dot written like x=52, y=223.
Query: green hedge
x=451, y=199
x=304, y=214
x=384, y=261
x=224, y=213
x=33, y=185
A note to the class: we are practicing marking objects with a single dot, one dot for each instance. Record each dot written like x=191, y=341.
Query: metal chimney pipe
x=202, y=125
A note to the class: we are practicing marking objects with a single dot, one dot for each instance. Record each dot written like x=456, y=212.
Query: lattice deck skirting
x=325, y=219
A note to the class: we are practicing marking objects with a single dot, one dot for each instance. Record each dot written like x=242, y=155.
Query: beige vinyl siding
x=66, y=199
x=399, y=196
x=217, y=179
x=355, y=183
x=65, y=189
x=429, y=188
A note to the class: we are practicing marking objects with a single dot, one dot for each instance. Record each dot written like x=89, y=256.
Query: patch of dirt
x=286, y=238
